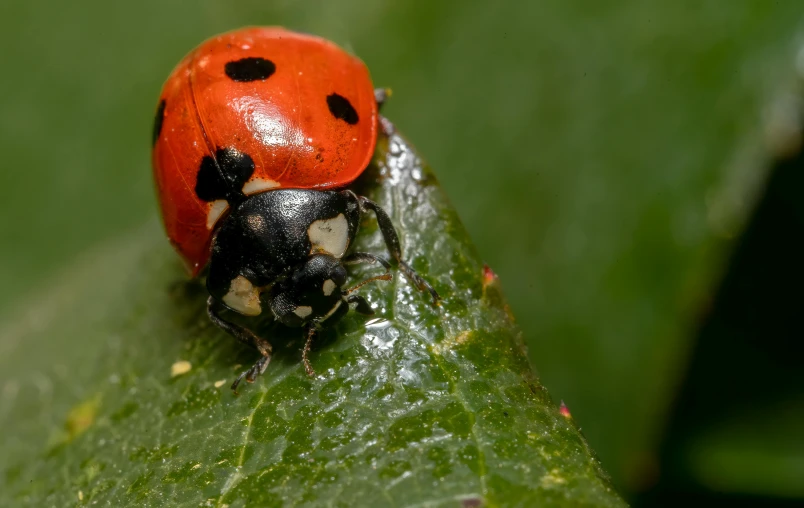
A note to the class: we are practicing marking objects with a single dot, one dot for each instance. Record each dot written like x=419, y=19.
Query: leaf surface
x=415, y=406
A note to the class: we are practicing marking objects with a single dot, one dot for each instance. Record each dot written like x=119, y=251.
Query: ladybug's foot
x=252, y=373
x=419, y=282
x=245, y=336
x=306, y=351
x=395, y=249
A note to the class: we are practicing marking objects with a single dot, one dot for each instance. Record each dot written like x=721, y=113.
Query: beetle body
x=254, y=128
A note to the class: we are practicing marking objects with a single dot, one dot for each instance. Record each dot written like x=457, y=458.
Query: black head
x=311, y=292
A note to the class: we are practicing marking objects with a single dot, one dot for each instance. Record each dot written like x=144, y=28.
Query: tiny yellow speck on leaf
x=180, y=367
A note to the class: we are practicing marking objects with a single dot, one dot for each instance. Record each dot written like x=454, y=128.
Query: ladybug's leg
x=240, y=333
x=357, y=258
x=381, y=95
x=245, y=336
x=365, y=257
x=363, y=306
x=386, y=126
x=310, y=334
x=395, y=248
x=252, y=373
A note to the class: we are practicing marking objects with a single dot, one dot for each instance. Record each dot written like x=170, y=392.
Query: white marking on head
x=215, y=211
x=256, y=185
x=329, y=287
x=303, y=311
x=330, y=236
x=243, y=297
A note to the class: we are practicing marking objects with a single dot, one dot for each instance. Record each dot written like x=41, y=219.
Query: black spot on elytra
x=160, y=117
x=341, y=108
x=249, y=69
x=223, y=176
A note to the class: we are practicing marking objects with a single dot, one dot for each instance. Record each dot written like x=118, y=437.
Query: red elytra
x=301, y=108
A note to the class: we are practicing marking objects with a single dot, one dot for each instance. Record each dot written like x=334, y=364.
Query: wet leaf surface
x=415, y=406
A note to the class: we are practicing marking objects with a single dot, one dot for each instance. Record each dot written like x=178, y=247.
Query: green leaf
x=624, y=137
x=115, y=386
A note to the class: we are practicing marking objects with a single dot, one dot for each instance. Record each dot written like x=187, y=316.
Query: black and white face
x=273, y=233
x=313, y=292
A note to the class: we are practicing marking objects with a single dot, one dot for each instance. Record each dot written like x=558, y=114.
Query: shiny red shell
x=284, y=122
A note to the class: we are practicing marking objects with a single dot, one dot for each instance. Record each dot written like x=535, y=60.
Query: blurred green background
x=604, y=155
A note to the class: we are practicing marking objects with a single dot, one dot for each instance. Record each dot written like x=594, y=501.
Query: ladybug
x=258, y=133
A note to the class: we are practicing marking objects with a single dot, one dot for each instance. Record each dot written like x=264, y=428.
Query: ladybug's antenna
x=385, y=276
